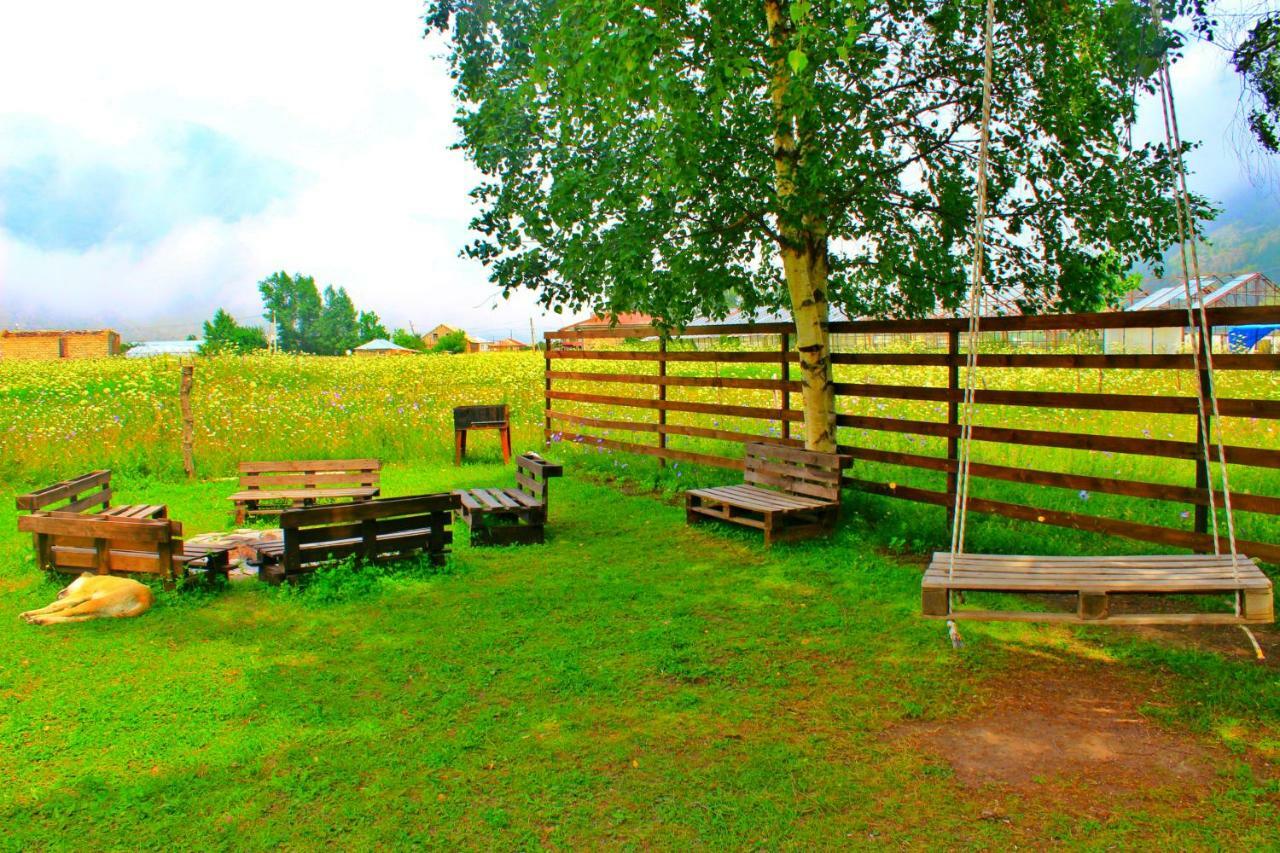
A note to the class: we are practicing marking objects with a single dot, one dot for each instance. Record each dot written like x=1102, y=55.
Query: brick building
x=52, y=345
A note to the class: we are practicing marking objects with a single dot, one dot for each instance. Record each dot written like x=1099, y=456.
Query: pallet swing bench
x=788, y=493
x=289, y=485
x=1096, y=580
x=376, y=530
x=515, y=516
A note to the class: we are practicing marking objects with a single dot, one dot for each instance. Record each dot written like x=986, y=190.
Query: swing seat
x=1093, y=580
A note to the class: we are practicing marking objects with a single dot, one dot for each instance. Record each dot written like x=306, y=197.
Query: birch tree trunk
x=804, y=256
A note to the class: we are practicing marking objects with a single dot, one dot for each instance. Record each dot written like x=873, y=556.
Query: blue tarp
x=1245, y=338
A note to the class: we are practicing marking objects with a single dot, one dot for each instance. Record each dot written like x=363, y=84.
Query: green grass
x=633, y=683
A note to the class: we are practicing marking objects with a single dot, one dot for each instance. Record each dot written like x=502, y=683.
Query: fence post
x=188, y=421
x=953, y=423
x=546, y=393
x=662, y=397
x=1204, y=340
x=784, y=399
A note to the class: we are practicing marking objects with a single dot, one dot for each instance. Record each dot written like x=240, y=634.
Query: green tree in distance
x=293, y=303
x=408, y=340
x=675, y=156
x=371, y=328
x=223, y=334
x=337, y=330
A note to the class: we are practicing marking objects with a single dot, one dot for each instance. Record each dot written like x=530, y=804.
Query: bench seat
x=511, y=516
x=788, y=493
x=303, y=494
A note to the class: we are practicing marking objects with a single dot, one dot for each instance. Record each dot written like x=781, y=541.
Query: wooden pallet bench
x=88, y=493
x=515, y=516
x=72, y=543
x=788, y=493
x=1093, y=580
x=373, y=530
x=289, y=485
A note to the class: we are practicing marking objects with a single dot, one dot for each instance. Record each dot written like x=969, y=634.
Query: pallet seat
x=514, y=516
x=1094, y=580
x=88, y=493
x=788, y=493
x=270, y=488
x=374, y=530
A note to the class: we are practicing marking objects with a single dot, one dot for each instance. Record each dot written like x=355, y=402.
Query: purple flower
x=1084, y=495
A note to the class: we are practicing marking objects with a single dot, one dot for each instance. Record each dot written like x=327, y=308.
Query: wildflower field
x=632, y=683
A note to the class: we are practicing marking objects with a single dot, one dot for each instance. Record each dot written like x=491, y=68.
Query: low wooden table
x=480, y=417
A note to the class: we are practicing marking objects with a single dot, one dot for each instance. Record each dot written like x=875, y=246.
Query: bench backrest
x=310, y=474
x=68, y=542
x=370, y=530
x=532, y=474
x=808, y=473
x=87, y=493
x=466, y=417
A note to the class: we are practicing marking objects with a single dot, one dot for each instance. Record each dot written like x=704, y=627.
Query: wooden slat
x=383, y=508
x=93, y=527
x=756, y=412
x=1075, y=361
x=309, y=478
x=301, y=494
x=42, y=498
x=678, y=381
x=305, y=465
x=1151, y=404
x=1102, y=485
x=1090, y=523
x=664, y=452
x=737, y=357
x=1258, y=457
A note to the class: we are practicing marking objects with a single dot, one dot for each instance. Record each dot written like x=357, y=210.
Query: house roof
x=509, y=342
x=44, y=333
x=626, y=318
x=1212, y=289
x=381, y=345
x=150, y=349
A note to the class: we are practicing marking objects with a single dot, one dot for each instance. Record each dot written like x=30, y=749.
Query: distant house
x=53, y=345
x=1233, y=291
x=475, y=344
x=154, y=349
x=643, y=324
x=433, y=337
x=508, y=345
x=379, y=346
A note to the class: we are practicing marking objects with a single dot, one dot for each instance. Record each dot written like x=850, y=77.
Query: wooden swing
x=1093, y=580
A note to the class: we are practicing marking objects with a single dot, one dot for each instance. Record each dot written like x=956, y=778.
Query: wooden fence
x=563, y=421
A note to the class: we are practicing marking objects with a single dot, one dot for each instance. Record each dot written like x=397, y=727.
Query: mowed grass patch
x=634, y=682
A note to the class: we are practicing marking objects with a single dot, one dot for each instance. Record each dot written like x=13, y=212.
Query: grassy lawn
x=634, y=682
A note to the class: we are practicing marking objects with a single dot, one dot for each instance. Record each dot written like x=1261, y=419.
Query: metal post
x=546, y=374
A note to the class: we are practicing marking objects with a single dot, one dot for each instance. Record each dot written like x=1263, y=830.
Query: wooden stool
x=480, y=417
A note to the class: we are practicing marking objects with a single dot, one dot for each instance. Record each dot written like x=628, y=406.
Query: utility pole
x=533, y=340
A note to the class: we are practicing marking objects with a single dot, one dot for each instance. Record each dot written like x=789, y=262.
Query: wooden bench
x=511, y=516
x=1095, y=580
x=300, y=484
x=788, y=493
x=112, y=545
x=88, y=493
x=480, y=417
x=373, y=530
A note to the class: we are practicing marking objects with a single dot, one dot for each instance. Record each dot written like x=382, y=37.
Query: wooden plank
x=668, y=453
x=737, y=357
x=1263, y=362
x=756, y=412
x=97, y=499
x=670, y=429
x=382, y=508
x=1146, y=403
x=1090, y=523
x=299, y=478
x=1254, y=456
x=665, y=381
x=1240, y=501
x=94, y=527
x=300, y=494
x=317, y=465
x=42, y=498
x=1123, y=619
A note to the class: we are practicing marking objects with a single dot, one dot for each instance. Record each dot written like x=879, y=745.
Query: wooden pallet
x=1093, y=580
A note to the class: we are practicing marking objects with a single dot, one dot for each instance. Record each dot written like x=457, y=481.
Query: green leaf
x=797, y=60
x=799, y=10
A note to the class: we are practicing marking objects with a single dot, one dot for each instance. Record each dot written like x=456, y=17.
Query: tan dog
x=93, y=596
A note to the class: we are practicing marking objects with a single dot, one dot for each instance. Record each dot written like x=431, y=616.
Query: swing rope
x=1187, y=246
x=975, y=298
x=1190, y=262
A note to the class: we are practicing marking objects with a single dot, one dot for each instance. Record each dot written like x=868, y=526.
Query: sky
x=157, y=159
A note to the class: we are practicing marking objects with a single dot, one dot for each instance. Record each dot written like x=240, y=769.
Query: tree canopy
x=371, y=328
x=223, y=334
x=1257, y=58
x=662, y=157
x=310, y=322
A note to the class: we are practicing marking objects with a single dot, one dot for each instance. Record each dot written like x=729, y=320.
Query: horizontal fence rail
x=639, y=403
